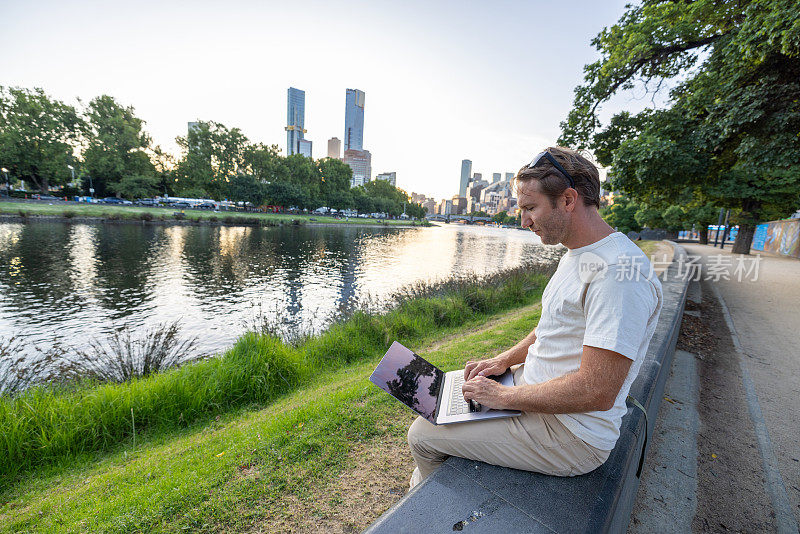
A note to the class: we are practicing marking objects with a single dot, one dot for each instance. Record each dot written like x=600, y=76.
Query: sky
x=444, y=81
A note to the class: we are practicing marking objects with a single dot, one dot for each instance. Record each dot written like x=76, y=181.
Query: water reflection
x=75, y=282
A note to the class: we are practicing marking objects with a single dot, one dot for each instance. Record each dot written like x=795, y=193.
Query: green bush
x=69, y=214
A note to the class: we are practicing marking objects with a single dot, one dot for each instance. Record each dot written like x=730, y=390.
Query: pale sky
x=444, y=81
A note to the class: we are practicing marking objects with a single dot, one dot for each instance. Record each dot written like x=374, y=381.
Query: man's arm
x=501, y=362
x=593, y=387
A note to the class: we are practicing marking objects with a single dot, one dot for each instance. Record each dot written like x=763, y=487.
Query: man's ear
x=570, y=199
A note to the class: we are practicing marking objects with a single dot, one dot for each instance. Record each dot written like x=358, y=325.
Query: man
x=599, y=311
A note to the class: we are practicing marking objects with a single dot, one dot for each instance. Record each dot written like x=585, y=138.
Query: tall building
x=295, y=120
x=304, y=148
x=510, y=177
x=495, y=177
x=361, y=163
x=354, y=120
x=459, y=205
x=466, y=171
x=477, y=177
x=334, y=148
x=390, y=177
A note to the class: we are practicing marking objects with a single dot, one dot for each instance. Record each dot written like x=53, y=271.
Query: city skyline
x=428, y=78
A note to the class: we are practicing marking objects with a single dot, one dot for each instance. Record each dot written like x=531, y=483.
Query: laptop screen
x=410, y=379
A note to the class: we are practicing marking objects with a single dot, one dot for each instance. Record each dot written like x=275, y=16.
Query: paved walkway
x=765, y=312
x=759, y=300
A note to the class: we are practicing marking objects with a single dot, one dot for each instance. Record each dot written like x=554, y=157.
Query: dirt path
x=730, y=479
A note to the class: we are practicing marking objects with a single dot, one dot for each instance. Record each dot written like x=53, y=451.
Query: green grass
x=193, y=480
x=47, y=426
x=648, y=246
x=140, y=213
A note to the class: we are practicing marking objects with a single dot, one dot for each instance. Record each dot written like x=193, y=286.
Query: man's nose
x=526, y=220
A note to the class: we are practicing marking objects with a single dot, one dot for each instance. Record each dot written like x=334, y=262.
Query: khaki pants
x=531, y=442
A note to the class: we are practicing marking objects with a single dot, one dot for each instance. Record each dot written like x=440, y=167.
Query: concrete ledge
x=477, y=497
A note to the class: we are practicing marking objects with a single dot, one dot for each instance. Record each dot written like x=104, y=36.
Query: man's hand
x=492, y=366
x=485, y=391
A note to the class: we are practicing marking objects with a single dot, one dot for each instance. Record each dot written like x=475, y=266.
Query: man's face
x=538, y=214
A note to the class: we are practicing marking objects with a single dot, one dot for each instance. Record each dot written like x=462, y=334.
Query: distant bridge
x=464, y=218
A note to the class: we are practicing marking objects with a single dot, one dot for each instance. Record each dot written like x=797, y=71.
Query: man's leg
x=531, y=442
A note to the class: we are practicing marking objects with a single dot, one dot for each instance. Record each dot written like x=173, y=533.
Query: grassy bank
x=50, y=428
x=139, y=213
x=317, y=459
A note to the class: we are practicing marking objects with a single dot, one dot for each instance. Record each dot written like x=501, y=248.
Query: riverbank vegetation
x=328, y=457
x=56, y=148
x=138, y=213
x=50, y=428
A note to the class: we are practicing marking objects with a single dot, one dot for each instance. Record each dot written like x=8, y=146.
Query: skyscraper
x=295, y=120
x=510, y=177
x=495, y=177
x=304, y=147
x=361, y=163
x=354, y=120
x=390, y=177
x=334, y=147
x=466, y=171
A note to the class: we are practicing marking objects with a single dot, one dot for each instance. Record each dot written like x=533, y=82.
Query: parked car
x=206, y=206
x=118, y=201
x=181, y=205
x=47, y=197
x=147, y=202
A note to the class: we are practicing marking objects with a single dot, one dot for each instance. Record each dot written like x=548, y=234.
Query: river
x=71, y=283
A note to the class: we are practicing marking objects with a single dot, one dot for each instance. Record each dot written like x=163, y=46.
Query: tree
x=621, y=214
x=674, y=219
x=304, y=174
x=246, y=188
x=38, y=137
x=285, y=194
x=362, y=201
x=117, y=150
x=701, y=215
x=265, y=163
x=649, y=217
x=136, y=186
x=415, y=210
x=213, y=154
x=729, y=132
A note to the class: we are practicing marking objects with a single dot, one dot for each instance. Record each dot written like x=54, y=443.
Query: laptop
x=430, y=392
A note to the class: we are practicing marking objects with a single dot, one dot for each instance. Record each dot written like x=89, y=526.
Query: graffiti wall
x=779, y=237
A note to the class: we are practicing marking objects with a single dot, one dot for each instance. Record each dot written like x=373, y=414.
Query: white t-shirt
x=603, y=295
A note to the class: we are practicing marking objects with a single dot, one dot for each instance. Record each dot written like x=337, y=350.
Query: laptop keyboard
x=458, y=405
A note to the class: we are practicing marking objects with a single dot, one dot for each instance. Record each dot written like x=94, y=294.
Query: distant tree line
x=46, y=143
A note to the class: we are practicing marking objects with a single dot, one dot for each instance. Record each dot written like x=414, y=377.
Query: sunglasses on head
x=544, y=158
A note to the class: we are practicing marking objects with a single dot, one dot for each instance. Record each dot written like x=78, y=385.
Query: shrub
x=146, y=216
x=179, y=215
x=69, y=214
x=23, y=213
x=213, y=218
